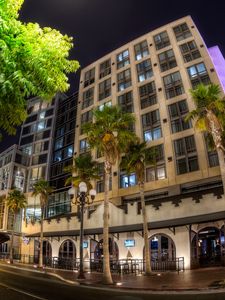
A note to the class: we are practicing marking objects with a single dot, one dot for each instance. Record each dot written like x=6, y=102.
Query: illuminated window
x=198, y=74
x=123, y=59
x=141, y=50
x=161, y=40
x=144, y=70
x=124, y=80
x=173, y=85
x=182, y=32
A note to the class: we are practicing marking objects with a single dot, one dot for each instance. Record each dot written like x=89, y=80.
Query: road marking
x=21, y=292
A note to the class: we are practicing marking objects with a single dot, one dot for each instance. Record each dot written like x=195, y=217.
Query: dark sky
x=100, y=26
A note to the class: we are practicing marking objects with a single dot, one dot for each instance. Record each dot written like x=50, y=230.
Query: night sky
x=100, y=26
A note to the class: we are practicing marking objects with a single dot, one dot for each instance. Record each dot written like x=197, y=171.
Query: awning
x=4, y=237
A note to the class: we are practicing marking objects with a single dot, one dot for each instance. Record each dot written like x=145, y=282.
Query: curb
x=123, y=288
x=42, y=272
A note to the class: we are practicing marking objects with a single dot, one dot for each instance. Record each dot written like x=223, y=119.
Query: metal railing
x=122, y=266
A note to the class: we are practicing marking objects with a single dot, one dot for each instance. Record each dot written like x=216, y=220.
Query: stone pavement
x=198, y=279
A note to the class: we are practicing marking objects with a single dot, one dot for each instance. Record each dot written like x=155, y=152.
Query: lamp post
x=82, y=199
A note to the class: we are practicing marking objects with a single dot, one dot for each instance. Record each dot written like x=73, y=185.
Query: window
x=58, y=204
x=173, y=85
x=148, y=95
x=60, y=131
x=27, y=149
x=86, y=117
x=58, y=144
x=41, y=125
x=198, y=74
x=101, y=107
x=89, y=77
x=141, y=50
x=212, y=153
x=68, y=152
x=57, y=156
x=182, y=32
x=84, y=146
x=88, y=98
x=167, y=60
x=40, y=147
x=105, y=68
x=158, y=170
x=104, y=89
x=42, y=115
x=178, y=112
x=161, y=40
x=189, y=51
x=127, y=180
x=124, y=80
x=144, y=70
x=100, y=182
x=27, y=140
x=186, y=156
x=126, y=102
x=122, y=59
x=151, y=126
x=37, y=173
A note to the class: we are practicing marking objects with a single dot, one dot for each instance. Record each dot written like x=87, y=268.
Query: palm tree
x=209, y=116
x=109, y=134
x=85, y=168
x=41, y=188
x=136, y=158
x=15, y=201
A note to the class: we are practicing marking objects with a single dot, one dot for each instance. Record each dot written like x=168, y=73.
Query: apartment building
x=151, y=77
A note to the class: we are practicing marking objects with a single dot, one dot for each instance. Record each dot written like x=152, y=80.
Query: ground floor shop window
x=162, y=248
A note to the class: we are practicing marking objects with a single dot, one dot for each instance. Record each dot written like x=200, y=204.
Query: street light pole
x=82, y=199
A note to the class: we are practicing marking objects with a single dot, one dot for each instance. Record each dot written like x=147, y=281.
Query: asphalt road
x=25, y=285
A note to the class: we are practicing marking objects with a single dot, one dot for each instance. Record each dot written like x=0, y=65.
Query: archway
x=47, y=252
x=162, y=248
x=67, y=250
x=113, y=250
x=67, y=256
x=208, y=247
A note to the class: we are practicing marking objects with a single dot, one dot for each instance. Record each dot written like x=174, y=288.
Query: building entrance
x=208, y=247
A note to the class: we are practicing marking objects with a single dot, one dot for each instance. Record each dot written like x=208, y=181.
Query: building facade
x=151, y=77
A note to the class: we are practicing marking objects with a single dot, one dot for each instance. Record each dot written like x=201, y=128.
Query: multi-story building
x=151, y=77
x=62, y=155
x=47, y=132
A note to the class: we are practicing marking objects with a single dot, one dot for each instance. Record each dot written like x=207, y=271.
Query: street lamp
x=82, y=199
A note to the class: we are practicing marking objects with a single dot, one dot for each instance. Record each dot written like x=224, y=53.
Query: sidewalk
x=199, y=279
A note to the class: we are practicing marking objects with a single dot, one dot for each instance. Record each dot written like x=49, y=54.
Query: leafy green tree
x=135, y=160
x=85, y=169
x=34, y=62
x=42, y=189
x=110, y=135
x=209, y=117
x=15, y=201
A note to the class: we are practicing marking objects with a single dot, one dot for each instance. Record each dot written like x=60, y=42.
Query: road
x=25, y=285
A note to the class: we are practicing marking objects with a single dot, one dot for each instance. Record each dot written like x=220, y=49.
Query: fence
x=123, y=266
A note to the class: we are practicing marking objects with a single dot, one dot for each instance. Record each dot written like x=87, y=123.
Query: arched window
x=67, y=250
x=47, y=249
x=113, y=250
x=162, y=248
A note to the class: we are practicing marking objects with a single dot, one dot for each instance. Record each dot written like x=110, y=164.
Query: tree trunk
x=148, y=270
x=41, y=240
x=107, y=277
x=12, y=240
x=222, y=166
